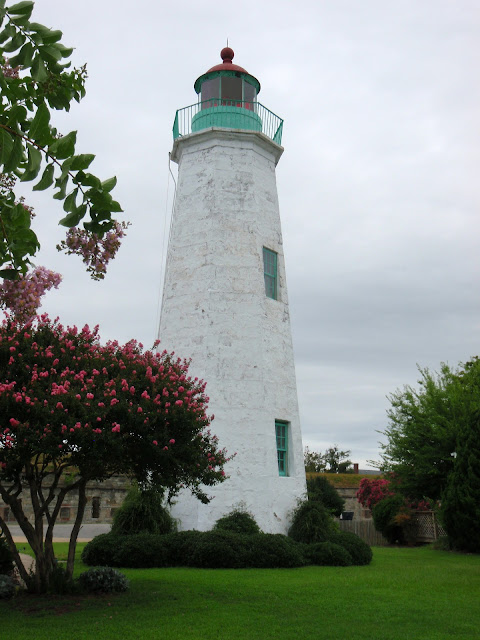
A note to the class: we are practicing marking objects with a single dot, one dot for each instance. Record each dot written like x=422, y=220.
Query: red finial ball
x=227, y=55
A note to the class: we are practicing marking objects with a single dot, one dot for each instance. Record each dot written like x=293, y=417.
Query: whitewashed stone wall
x=215, y=311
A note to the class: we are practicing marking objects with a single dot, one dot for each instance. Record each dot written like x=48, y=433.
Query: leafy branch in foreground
x=34, y=79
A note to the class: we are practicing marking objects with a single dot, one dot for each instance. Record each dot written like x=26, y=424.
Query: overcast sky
x=378, y=185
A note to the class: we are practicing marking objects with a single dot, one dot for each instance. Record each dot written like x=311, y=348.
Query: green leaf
x=50, y=54
x=89, y=180
x=107, y=185
x=61, y=184
x=74, y=218
x=66, y=167
x=46, y=180
x=39, y=130
x=69, y=204
x=16, y=156
x=39, y=72
x=24, y=57
x=7, y=33
x=16, y=115
x=51, y=35
x=20, y=217
x=34, y=164
x=21, y=8
x=65, y=51
x=82, y=161
x=64, y=147
x=6, y=145
x=15, y=43
x=8, y=274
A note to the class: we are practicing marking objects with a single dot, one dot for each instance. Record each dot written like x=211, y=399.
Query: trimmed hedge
x=359, y=550
x=328, y=554
x=223, y=549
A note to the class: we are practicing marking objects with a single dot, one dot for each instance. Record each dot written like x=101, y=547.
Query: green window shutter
x=270, y=272
x=281, y=434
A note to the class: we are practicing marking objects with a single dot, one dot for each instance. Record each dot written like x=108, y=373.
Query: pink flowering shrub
x=96, y=251
x=22, y=296
x=71, y=406
x=370, y=492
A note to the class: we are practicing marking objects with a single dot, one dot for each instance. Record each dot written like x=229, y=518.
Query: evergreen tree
x=461, y=500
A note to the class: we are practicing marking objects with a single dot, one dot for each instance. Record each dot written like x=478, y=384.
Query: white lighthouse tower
x=225, y=301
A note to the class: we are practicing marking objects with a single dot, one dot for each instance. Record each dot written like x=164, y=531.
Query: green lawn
x=406, y=594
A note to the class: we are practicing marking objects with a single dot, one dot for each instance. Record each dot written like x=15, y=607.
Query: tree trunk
x=82, y=502
x=16, y=556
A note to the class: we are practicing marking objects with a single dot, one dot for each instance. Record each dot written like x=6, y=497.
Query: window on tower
x=270, y=272
x=281, y=434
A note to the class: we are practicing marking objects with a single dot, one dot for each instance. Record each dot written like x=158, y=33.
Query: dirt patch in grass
x=31, y=604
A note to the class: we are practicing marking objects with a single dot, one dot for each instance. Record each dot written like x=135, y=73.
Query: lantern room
x=227, y=98
x=228, y=83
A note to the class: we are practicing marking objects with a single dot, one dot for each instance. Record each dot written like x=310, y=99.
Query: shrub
x=328, y=554
x=6, y=557
x=103, y=580
x=271, y=550
x=320, y=490
x=384, y=513
x=311, y=522
x=220, y=550
x=238, y=521
x=7, y=587
x=142, y=512
x=181, y=546
x=372, y=490
x=359, y=551
x=59, y=582
x=142, y=551
x=102, y=550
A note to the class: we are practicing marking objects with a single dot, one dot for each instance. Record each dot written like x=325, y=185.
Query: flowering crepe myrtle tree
x=72, y=410
x=34, y=81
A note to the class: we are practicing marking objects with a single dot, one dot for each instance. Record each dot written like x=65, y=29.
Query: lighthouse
x=225, y=303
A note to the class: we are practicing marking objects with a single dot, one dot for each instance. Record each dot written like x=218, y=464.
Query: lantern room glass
x=227, y=91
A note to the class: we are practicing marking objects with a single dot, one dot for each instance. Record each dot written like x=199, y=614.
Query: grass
x=417, y=593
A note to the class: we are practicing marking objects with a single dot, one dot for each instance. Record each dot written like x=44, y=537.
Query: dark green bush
x=319, y=489
x=328, y=554
x=7, y=587
x=142, y=551
x=181, y=546
x=383, y=514
x=220, y=550
x=142, y=512
x=311, y=522
x=237, y=521
x=103, y=580
x=359, y=551
x=60, y=583
x=102, y=550
x=6, y=557
x=270, y=550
